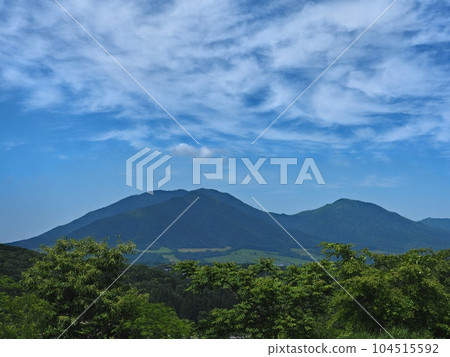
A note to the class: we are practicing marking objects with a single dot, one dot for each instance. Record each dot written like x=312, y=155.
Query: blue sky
x=377, y=123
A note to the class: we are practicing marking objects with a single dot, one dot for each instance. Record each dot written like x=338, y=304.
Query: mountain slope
x=441, y=223
x=219, y=220
x=124, y=205
x=366, y=225
x=210, y=223
x=15, y=260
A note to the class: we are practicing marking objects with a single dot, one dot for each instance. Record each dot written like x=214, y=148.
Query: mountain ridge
x=220, y=220
x=440, y=223
x=370, y=225
x=130, y=202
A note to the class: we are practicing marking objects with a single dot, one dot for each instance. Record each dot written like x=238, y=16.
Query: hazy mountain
x=441, y=223
x=366, y=225
x=210, y=223
x=124, y=205
x=219, y=224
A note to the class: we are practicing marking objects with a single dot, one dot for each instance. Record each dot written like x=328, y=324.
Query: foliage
x=407, y=294
x=163, y=285
x=148, y=320
x=24, y=315
x=271, y=302
x=14, y=260
x=408, y=291
x=75, y=273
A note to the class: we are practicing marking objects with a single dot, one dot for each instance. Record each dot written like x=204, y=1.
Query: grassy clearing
x=162, y=250
x=203, y=250
x=243, y=256
x=300, y=252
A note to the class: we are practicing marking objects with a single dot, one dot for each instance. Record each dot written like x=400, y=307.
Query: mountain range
x=220, y=227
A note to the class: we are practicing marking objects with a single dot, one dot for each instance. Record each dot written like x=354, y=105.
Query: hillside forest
x=50, y=294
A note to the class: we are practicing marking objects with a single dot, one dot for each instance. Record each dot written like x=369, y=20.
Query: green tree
x=408, y=294
x=22, y=315
x=408, y=291
x=74, y=273
x=137, y=318
x=270, y=302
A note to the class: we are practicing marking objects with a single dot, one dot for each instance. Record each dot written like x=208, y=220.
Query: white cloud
x=201, y=60
x=183, y=149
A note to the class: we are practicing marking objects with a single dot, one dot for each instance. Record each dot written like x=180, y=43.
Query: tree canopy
x=73, y=273
x=407, y=294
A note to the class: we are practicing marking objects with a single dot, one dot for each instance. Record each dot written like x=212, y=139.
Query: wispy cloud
x=136, y=136
x=225, y=69
x=383, y=182
x=9, y=145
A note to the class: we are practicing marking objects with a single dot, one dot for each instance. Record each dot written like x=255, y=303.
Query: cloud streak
x=226, y=70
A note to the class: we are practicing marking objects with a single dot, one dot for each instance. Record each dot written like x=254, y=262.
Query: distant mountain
x=210, y=223
x=441, y=223
x=124, y=205
x=221, y=227
x=366, y=225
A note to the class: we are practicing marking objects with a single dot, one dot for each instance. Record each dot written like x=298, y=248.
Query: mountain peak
x=349, y=201
x=220, y=219
x=352, y=205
